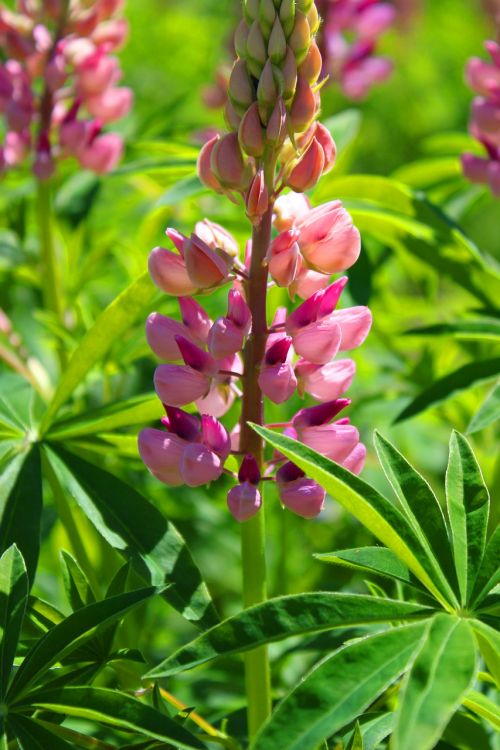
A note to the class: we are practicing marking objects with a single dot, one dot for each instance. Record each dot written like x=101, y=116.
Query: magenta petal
x=179, y=385
x=249, y=470
x=278, y=382
x=321, y=414
x=195, y=318
x=244, y=501
x=215, y=436
x=195, y=357
x=303, y=496
x=200, y=465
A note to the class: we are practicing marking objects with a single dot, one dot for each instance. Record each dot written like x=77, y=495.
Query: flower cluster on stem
x=484, y=78
x=58, y=84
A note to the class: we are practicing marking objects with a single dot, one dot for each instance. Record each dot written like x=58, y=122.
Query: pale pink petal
x=325, y=382
x=354, y=323
x=179, y=385
x=161, y=332
x=244, y=501
x=200, y=465
x=162, y=453
x=278, y=382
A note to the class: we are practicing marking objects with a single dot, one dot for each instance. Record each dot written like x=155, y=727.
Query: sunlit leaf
x=376, y=560
x=489, y=644
x=482, y=706
x=13, y=599
x=78, y=589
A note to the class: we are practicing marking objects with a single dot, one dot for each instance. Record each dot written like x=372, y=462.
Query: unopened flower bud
x=277, y=43
x=227, y=163
x=169, y=273
x=309, y=169
x=267, y=14
x=287, y=16
x=304, y=106
x=298, y=493
x=249, y=470
x=300, y=38
x=241, y=91
x=205, y=267
x=231, y=116
x=325, y=140
x=240, y=38
x=250, y=132
x=313, y=18
x=205, y=171
x=310, y=68
x=244, y=501
x=257, y=200
x=276, y=130
x=267, y=92
x=251, y=10
x=256, y=49
x=289, y=74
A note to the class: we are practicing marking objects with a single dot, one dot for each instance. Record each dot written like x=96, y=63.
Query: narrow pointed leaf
x=338, y=689
x=371, y=508
x=284, y=617
x=134, y=527
x=78, y=589
x=488, y=413
x=468, y=501
x=465, y=377
x=374, y=729
x=484, y=707
x=356, y=742
x=115, y=709
x=72, y=632
x=110, y=325
x=489, y=573
x=441, y=674
x=21, y=508
x=489, y=644
x=376, y=560
x=13, y=599
x=419, y=503
x=32, y=736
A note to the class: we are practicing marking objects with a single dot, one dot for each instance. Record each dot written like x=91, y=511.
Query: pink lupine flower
x=227, y=334
x=289, y=208
x=336, y=440
x=244, y=500
x=195, y=319
x=169, y=273
x=328, y=240
x=102, y=153
x=162, y=454
x=110, y=105
x=205, y=267
x=161, y=333
x=485, y=120
x=298, y=493
x=325, y=382
x=216, y=236
x=277, y=379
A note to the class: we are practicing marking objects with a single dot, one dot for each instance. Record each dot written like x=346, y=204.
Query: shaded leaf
x=481, y=329
x=133, y=526
x=442, y=672
x=115, y=709
x=21, y=508
x=467, y=498
x=444, y=388
x=78, y=589
x=33, y=736
x=283, y=617
x=338, y=689
x=13, y=599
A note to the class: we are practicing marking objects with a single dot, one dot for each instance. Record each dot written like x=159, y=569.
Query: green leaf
x=71, y=633
x=374, y=728
x=397, y=216
x=78, y=589
x=338, y=689
x=484, y=707
x=136, y=410
x=420, y=505
x=134, y=527
x=489, y=644
x=110, y=325
x=467, y=732
x=284, y=617
x=378, y=560
x=356, y=742
x=465, y=377
x=366, y=504
x=115, y=709
x=344, y=128
x=468, y=503
x=488, y=413
x=489, y=573
x=188, y=187
x=482, y=329
x=13, y=600
x=32, y=736
x=21, y=507
x=441, y=674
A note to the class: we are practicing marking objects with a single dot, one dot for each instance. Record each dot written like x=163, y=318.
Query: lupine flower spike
x=484, y=78
x=274, y=151
x=58, y=84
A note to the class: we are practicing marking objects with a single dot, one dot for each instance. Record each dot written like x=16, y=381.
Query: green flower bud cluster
x=272, y=91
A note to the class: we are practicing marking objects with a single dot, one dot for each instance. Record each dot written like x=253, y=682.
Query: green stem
x=257, y=671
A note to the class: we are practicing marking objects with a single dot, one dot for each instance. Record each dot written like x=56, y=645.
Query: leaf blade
x=13, y=599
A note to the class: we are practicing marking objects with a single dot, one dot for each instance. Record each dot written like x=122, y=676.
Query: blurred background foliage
x=413, y=128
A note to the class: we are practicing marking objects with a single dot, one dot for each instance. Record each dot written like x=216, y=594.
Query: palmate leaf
x=33, y=736
x=465, y=377
x=21, y=507
x=420, y=504
x=111, y=324
x=135, y=528
x=489, y=573
x=338, y=689
x=488, y=640
x=371, y=508
x=13, y=600
x=397, y=216
x=115, y=709
x=71, y=633
x=443, y=671
x=488, y=413
x=467, y=500
x=284, y=617
x=378, y=561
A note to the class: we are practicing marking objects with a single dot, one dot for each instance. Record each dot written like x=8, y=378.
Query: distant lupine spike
x=58, y=85
x=251, y=354
x=484, y=78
